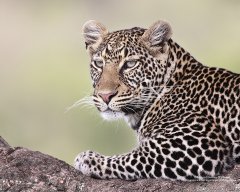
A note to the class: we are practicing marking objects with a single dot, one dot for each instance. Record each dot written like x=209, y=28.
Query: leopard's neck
x=178, y=62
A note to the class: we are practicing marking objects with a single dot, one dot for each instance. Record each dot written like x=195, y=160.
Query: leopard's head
x=127, y=67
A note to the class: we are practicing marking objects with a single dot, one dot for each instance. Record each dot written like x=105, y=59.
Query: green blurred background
x=44, y=66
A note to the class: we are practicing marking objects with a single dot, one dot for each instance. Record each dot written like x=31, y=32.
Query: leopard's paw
x=85, y=162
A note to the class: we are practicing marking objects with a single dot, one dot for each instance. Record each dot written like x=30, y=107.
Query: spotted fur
x=186, y=115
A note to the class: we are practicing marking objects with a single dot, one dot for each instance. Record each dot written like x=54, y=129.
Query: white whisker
x=85, y=101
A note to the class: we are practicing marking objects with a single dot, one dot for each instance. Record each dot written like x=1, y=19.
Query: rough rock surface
x=25, y=170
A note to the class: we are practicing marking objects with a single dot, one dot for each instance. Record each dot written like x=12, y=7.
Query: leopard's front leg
x=127, y=166
x=194, y=155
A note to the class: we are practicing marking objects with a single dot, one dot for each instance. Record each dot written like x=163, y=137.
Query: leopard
x=186, y=115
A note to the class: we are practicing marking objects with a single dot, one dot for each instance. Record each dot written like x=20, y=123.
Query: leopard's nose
x=106, y=97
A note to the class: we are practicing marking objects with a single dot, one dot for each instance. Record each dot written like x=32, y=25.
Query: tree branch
x=25, y=170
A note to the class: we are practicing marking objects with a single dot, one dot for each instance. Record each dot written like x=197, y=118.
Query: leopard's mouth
x=115, y=110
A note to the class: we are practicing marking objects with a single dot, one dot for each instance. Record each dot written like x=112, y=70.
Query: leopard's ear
x=157, y=35
x=93, y=33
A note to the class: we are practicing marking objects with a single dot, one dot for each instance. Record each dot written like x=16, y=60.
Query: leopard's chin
x=111, y=115
x=131, y=119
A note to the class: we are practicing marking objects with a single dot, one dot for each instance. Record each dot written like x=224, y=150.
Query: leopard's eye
x=98, y=63
x=130, y=64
